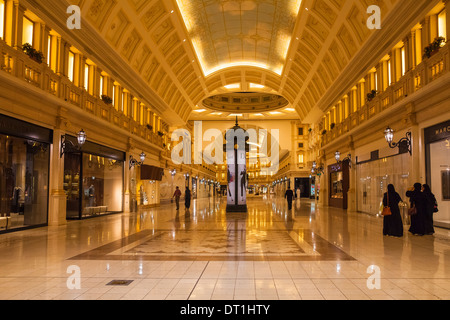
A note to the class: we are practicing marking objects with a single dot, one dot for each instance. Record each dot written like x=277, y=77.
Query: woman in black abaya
x=431, y=204
x=392, y=225
x=417, y=198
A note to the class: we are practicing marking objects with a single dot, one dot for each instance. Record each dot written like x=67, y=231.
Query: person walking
x=392, y=224
x=187, y=198
x=177, y=195
x=289, y=195
x=417, y=199
x=431, y=208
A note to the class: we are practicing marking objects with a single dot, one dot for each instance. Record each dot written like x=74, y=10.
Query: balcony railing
x=429, y=70
x=19, y=65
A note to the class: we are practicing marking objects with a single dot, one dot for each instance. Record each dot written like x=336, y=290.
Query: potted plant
x=324, y=132
x=433, y=47
x=106, y=99
x=37, y=56
x=371, y=95
x=160, y=133
x=332, y=126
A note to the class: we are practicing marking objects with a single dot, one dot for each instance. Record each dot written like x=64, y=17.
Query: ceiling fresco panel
x=358, y=22
x=99, y=12
x=325, y=12
x=132, y=43
x=117, y=28
x=141, y=58
x=153, y=15
x=347, y=42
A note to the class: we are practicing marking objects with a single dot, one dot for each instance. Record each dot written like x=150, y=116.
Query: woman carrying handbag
x=392, y=223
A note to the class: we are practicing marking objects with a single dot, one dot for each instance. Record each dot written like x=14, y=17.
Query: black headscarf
x=417, y=187
x=426, y=189
x=391, y=189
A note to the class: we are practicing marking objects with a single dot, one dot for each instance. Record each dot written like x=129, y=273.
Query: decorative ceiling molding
x=146, y=46
x=247, y=102
x=229, y=33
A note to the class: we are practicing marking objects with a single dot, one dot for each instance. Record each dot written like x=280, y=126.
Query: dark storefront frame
x=339, y=202
x=91, y=148
x=25, y=130
x=433, y=134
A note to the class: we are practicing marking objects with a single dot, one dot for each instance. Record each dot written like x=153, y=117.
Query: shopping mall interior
x=281, y=123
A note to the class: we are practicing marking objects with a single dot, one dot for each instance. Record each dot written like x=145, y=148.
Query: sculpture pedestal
x=237, y=208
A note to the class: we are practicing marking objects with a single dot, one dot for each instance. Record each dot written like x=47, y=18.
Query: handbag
x=387, y=210
x=413, y=210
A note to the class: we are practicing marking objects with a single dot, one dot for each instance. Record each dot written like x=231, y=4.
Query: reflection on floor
x=311, y=252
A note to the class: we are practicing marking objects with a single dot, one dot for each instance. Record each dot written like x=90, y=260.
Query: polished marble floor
x=312, y=252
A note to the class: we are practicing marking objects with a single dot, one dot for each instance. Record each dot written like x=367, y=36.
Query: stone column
x=323, y=179
x=426, y=32
x=58, y=200
x=14, y=25
x=127, y=179
x=415, y=145
x=351, y=195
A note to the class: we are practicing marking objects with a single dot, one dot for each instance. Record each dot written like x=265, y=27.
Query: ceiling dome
x=248, y=102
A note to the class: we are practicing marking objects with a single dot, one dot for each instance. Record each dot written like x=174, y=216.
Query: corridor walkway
x=310, y=253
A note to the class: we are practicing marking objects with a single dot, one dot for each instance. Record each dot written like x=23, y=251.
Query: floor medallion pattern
x=235, y=242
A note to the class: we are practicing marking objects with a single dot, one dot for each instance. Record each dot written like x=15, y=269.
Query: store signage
x=335, y=167
x=21, y=129
x=99, y=150
x=438, y=132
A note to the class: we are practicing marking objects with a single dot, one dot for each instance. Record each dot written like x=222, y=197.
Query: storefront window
x=373, y=178
x=102, y=188
x=72, y=184
x=24, y=176
x=337, y=191
x=93, y=183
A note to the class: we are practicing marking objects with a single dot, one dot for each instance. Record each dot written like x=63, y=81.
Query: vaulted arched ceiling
x=151, y=38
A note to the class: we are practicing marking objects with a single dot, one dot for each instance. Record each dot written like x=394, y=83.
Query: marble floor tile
x=323, y=253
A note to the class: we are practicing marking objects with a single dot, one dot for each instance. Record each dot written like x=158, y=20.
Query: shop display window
x=93, y=185
x=24, y=178
x=337, y=180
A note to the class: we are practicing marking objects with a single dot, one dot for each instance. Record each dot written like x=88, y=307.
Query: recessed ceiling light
x=233, y=86
x=258, y=115
x=200, y=110
x=235, y=115
x=290, y=109
x=274, y=112
x=256, y=86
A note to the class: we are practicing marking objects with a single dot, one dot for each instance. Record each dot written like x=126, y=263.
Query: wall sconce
x=65, y=144
x=404, y=144
x=173, y=172
x=134, y=162
x=348, y=159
